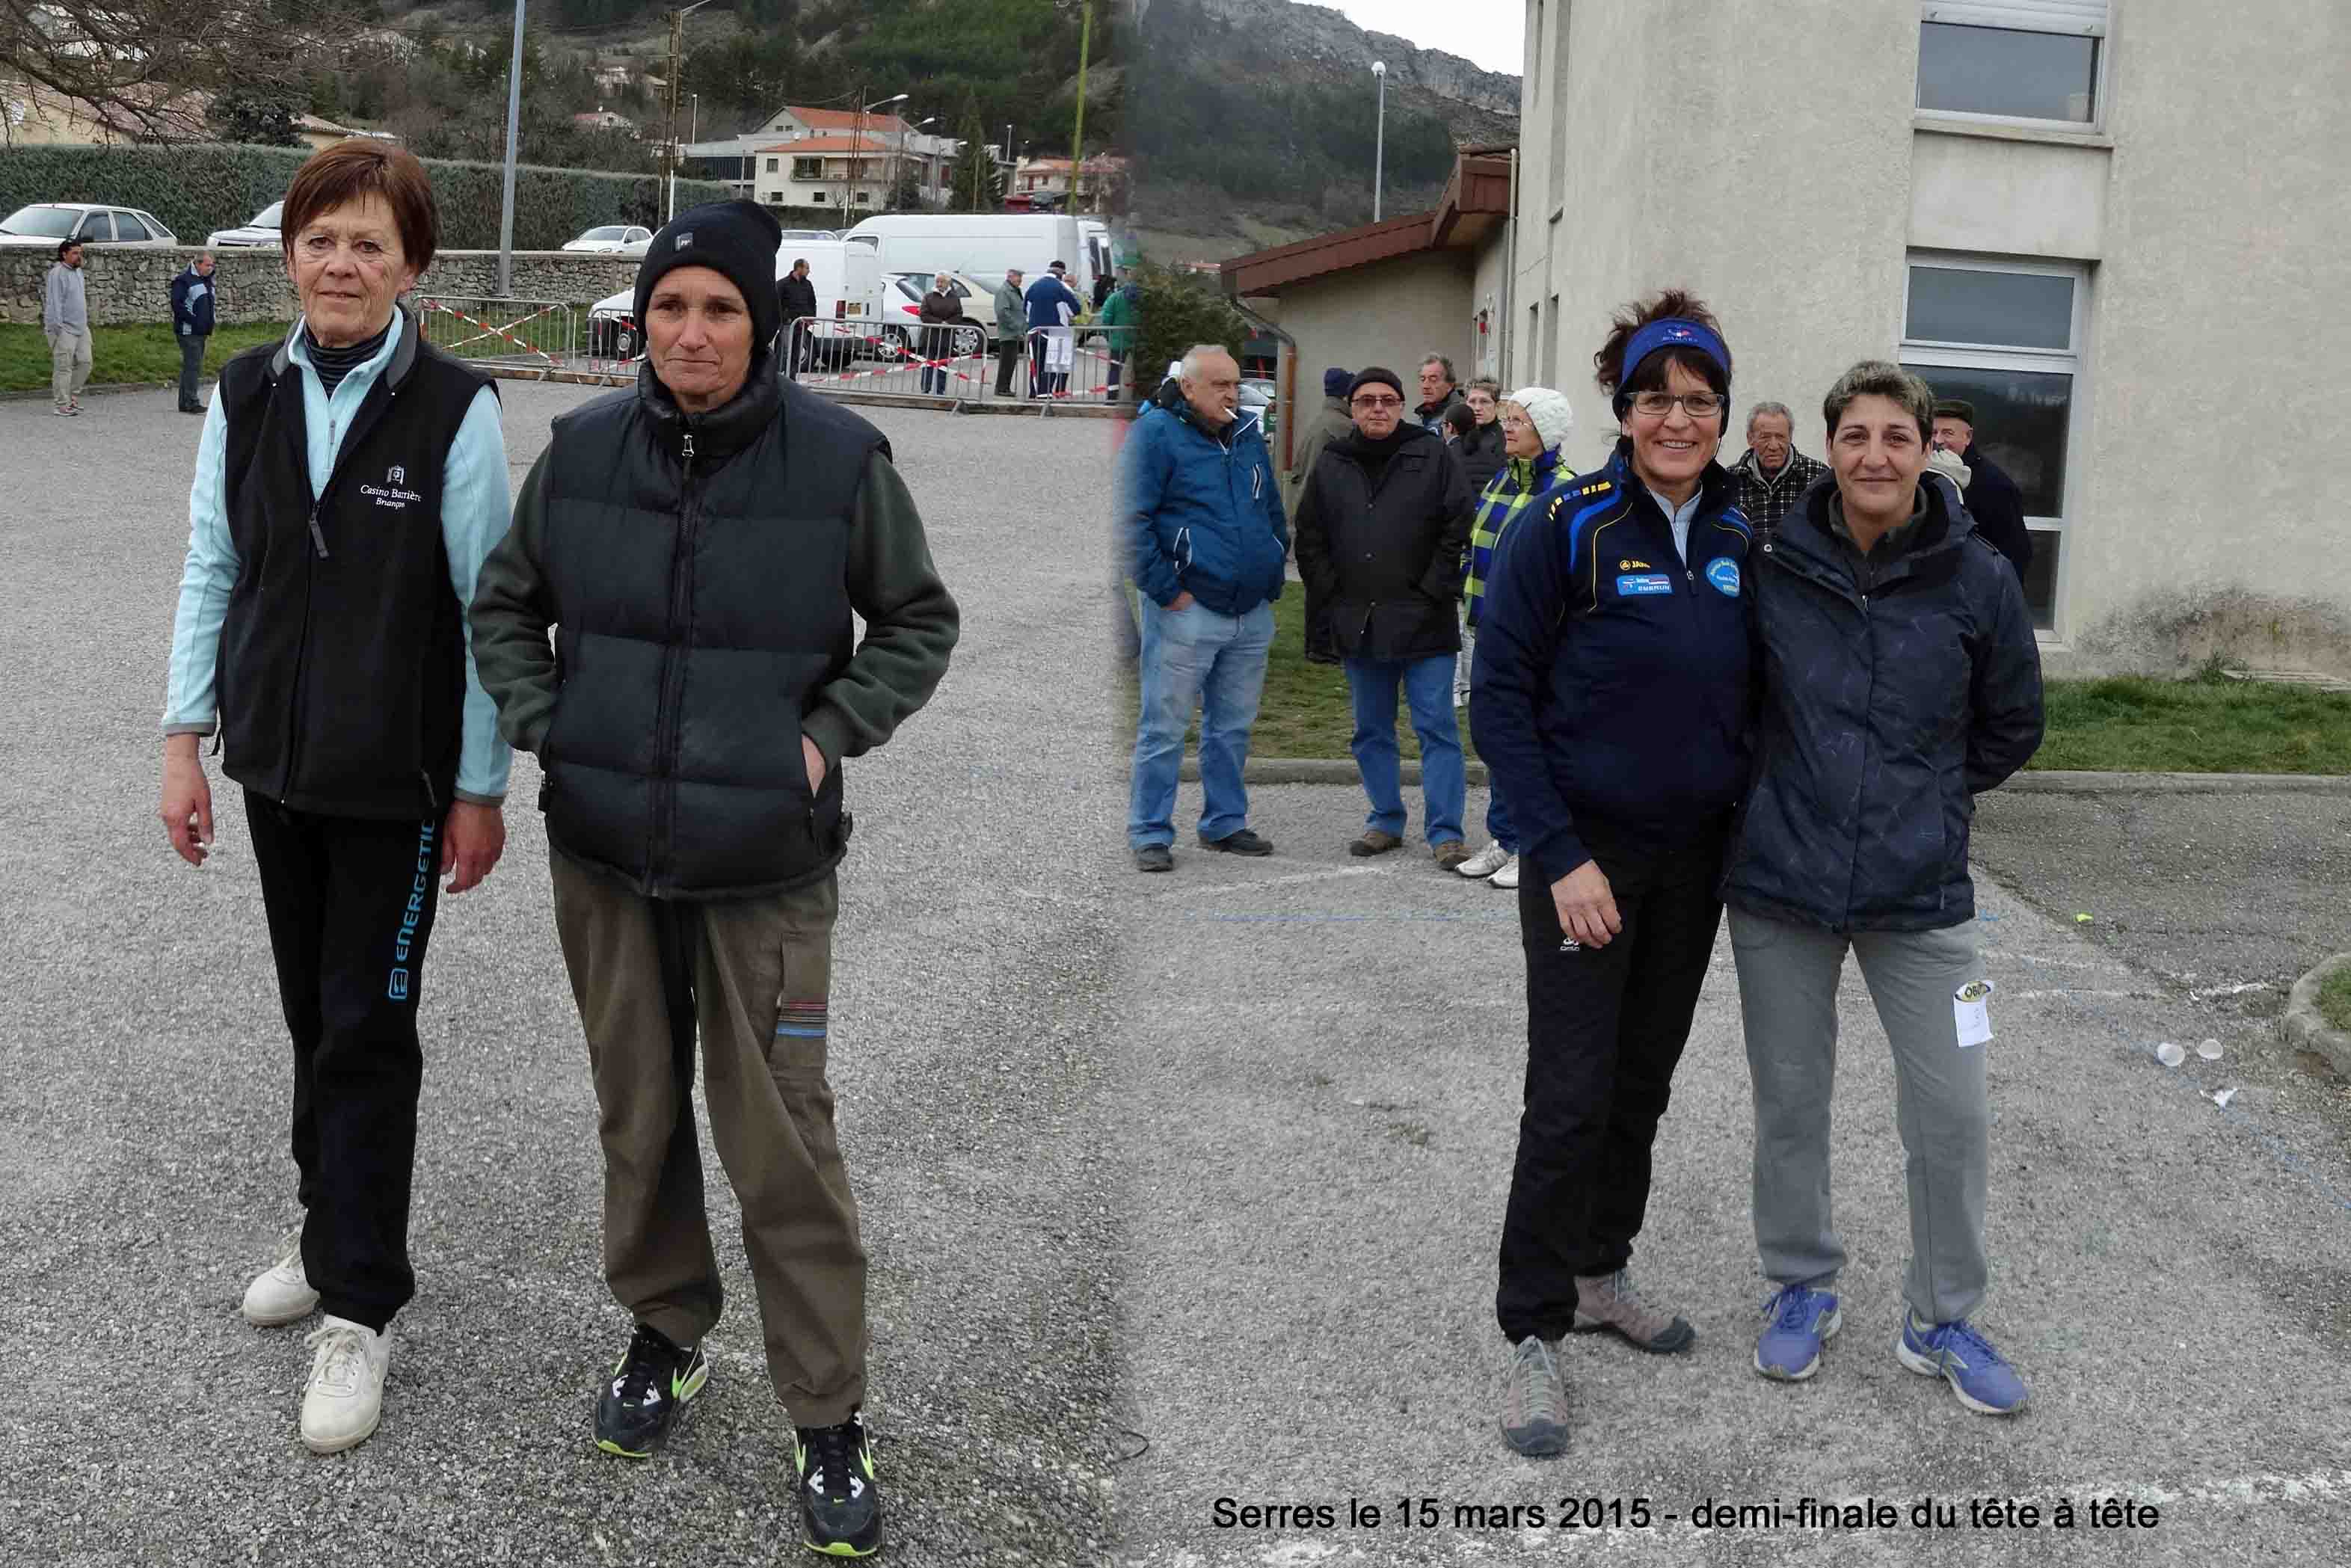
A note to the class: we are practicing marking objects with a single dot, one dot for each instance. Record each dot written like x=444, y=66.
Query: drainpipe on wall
x=1510, y=273
x=1288, y=369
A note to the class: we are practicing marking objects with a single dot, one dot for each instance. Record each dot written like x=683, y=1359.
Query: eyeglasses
x=1518, y=421
x=1379, y=402
x=1657, y=404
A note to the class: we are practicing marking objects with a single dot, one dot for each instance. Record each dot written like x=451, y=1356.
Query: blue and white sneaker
x=1797, y=1322
x=1957, y=1353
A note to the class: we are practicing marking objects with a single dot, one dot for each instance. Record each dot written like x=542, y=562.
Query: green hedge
x=197, y=188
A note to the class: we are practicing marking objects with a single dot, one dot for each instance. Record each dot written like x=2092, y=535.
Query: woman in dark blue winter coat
x=1899, y=680
x=1610, y=698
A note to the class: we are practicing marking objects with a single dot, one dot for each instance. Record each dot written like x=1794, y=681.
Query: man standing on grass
x=65, y=322
x=192, y=320
x=1201, y=530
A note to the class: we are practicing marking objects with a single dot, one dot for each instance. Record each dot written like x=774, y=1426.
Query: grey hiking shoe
x=1154, y=857
x=1374, y=842
x=1534, y=1401
x=1609, y=1301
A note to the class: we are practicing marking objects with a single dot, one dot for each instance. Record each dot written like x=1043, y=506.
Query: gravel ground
x=142, y=1086
x=1325, y=1064
x=1179, y=1190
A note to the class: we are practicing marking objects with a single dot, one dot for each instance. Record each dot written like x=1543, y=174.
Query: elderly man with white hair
x=1773, y=476
x=1202, y=532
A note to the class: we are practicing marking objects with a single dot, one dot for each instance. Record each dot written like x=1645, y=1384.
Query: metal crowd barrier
x=948, y=361
x=543, y=332
x=1080, y=364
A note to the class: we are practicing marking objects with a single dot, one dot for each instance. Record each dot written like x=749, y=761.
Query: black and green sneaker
x=840, y=1502
x=648, y=1387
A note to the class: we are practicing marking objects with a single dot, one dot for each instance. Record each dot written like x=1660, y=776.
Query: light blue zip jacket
x=1199, y=511
x=475, y=511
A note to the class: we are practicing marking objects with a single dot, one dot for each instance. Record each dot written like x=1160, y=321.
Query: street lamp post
x=676, y=69
x=513, y=124
x=1380, y=139
x=857, y=143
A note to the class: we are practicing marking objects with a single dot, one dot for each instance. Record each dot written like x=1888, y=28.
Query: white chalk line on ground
x=2317, y=1489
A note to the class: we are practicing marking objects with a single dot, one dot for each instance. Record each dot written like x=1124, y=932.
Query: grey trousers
x=1787, y=996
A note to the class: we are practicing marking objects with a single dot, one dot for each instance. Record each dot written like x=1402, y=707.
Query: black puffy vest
x=697, y=566
x=341, y=683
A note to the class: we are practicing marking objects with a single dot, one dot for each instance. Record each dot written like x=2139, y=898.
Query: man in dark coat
x=1993, y=498
x=796, y=300
x=1381, y=529
x=192, y=321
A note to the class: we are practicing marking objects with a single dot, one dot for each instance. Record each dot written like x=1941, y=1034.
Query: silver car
x=614, y=239
x=43, y=224
x=261, y=229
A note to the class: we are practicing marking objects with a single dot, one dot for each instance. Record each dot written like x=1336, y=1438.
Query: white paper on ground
x=1972, y=1011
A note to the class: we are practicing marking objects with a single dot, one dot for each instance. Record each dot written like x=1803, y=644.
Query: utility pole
x=1380, y=140
x=514, y=123
x=676, y=68
x=1078, y=136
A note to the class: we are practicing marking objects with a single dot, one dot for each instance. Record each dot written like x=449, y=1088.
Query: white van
x=848, y=279
x=985, y=244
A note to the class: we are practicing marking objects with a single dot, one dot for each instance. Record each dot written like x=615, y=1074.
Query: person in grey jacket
x=1900, y=680
x=65, y=322
x=1011, y=326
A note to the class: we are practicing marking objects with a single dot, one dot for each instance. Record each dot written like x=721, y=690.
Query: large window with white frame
x=2015, y=60
x=2006, y=336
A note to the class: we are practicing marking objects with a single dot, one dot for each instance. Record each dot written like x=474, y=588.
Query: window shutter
x=2080, y=17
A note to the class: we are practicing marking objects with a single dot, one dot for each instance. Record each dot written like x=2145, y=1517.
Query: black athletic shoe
x=840, y=1503
x=647, y=1387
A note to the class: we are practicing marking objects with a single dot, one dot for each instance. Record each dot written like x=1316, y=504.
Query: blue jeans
x=1429, y=692
x=1499, y=826
x=1196, y=656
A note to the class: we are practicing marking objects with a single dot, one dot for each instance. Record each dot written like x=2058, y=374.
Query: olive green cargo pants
x=754, y=972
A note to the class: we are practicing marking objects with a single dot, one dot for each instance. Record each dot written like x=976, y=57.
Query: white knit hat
x=1549, y=411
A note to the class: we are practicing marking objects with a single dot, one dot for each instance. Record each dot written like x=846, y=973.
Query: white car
x=45, y=224
x=614, y=239
x=261, y=229
x=979, y=302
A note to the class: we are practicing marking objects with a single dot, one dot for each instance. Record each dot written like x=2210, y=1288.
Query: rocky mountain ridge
x=1287, y=31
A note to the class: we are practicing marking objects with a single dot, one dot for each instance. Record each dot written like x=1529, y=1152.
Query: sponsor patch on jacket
x=1628, y=564
x=1640, y=584
x=1723, y=572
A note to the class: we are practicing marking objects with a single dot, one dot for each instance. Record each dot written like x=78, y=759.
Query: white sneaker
x=1507, y=876
x=281, y=1293
x=1485, y=862
x=345, y=1399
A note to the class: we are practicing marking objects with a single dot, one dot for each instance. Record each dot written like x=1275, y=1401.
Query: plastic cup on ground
x=2171, y=1054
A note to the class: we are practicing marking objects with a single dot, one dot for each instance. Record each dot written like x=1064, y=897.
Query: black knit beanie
x=1373, y=376
x=735, y=239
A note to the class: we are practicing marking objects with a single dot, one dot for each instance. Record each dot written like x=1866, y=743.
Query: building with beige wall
x=2117, y=226
x=1389, y=293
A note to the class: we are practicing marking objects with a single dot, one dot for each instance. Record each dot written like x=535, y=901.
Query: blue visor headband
x=1673, y=332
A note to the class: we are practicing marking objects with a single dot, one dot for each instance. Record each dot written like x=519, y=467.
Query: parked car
x=809, y=234
x=849, y=289
x=261, y=229
x=46, y=223
x=908, y=288
x=1262, y=399
x=614, y=239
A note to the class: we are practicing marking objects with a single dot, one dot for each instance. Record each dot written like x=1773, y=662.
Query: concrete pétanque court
x=1179, y=1190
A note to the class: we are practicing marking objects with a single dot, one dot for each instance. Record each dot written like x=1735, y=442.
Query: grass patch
x=2131, y=724
x=2208, y=723
x=1305, y=711
x=2335, y=999
x=149, y=352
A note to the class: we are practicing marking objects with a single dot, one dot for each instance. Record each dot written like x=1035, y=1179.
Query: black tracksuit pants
x=1605, y=1028
x=350, y=903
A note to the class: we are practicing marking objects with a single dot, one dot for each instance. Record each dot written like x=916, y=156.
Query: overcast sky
x=1492, y=32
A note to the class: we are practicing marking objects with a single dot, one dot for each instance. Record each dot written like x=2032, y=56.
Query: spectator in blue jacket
x=192, y=320
x=1610, y=697
x=1201, y=529
x=1900, y=680
x=1053, y=304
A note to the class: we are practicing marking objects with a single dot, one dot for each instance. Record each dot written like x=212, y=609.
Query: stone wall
x=128, y=285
